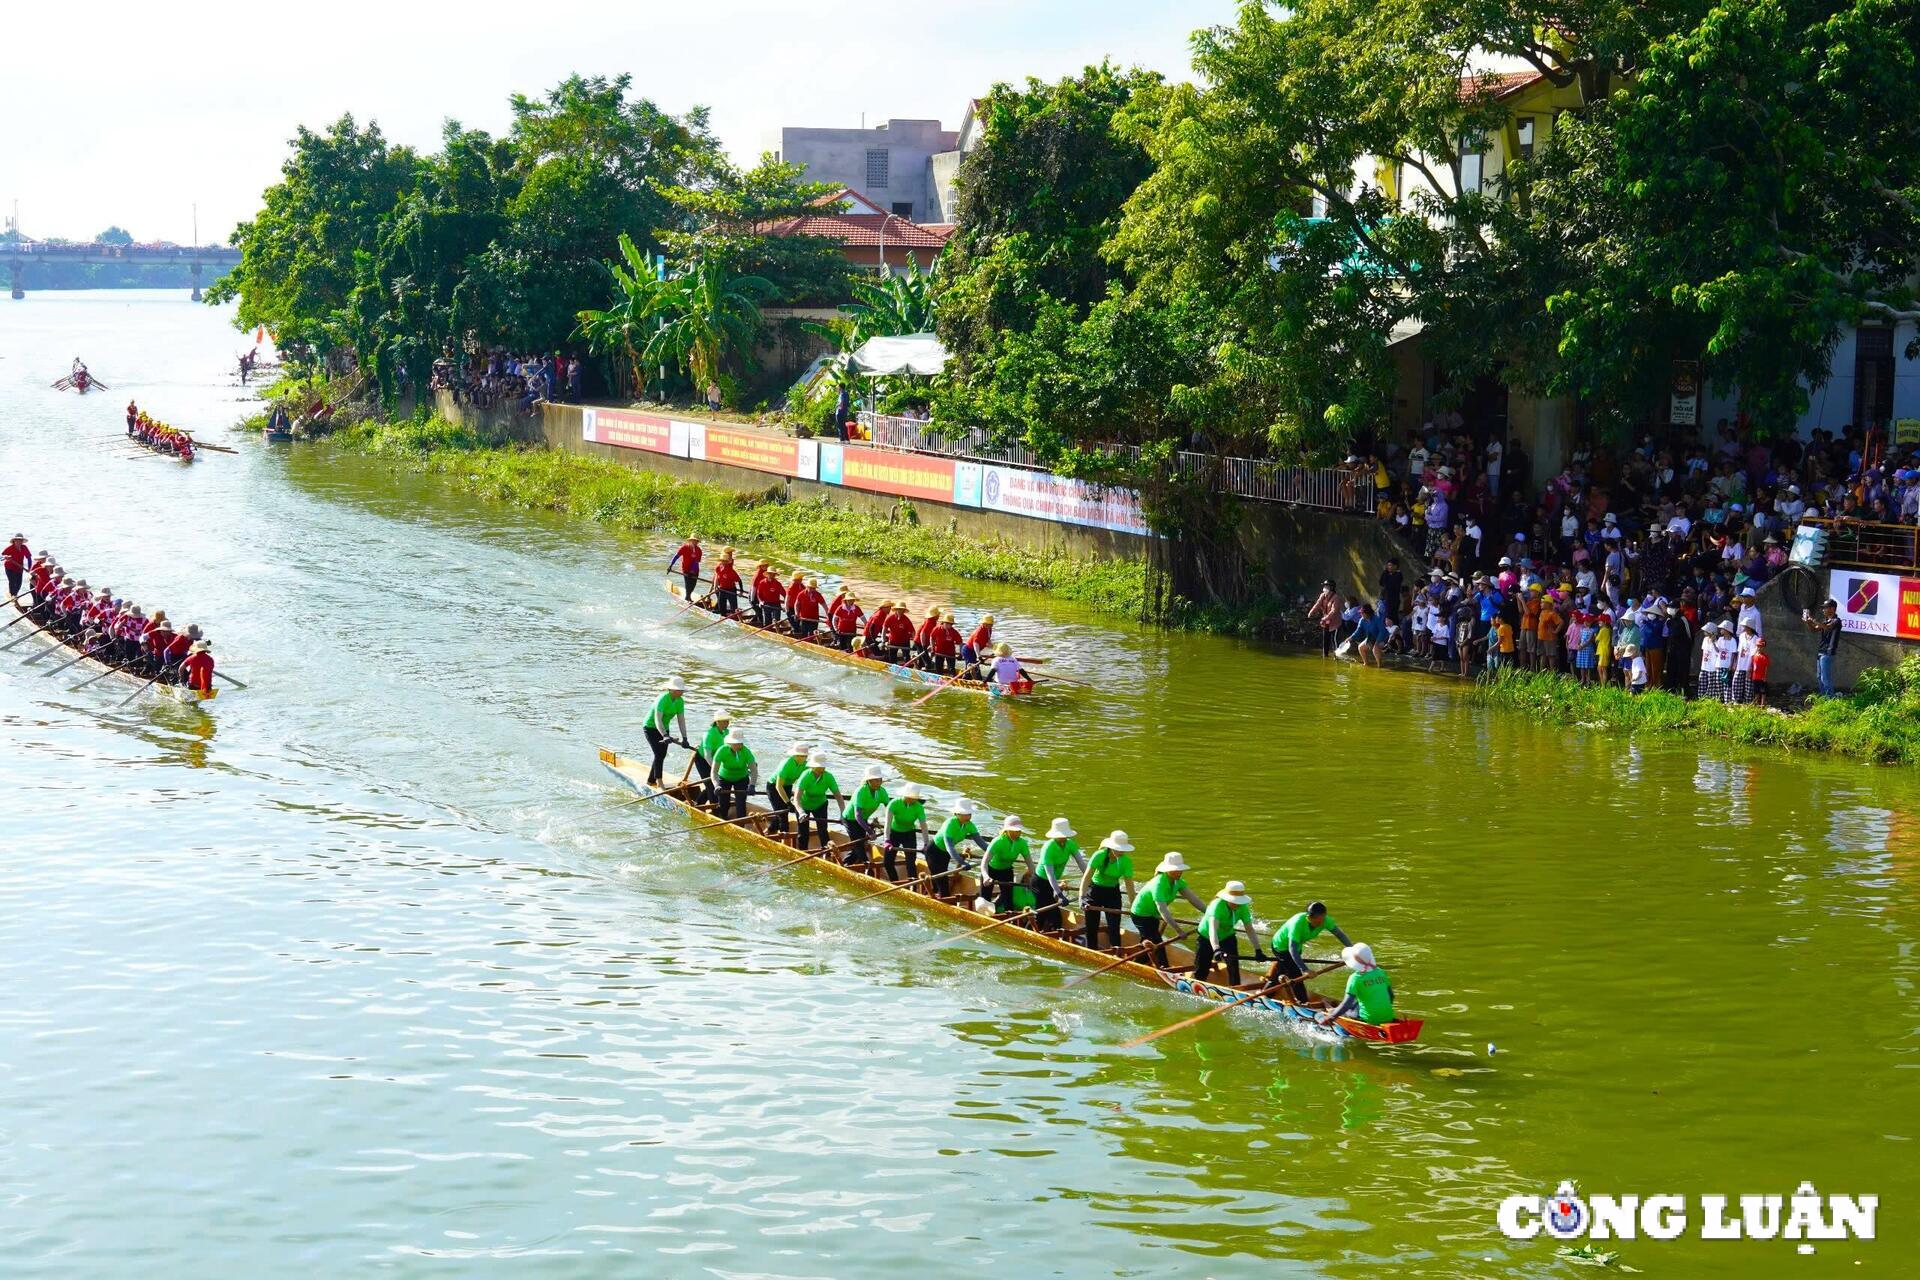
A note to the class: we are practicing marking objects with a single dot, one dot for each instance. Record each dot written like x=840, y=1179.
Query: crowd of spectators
x=1635, y=565
x=495, y=376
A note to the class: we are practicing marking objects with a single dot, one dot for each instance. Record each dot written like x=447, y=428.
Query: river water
x=368, y=968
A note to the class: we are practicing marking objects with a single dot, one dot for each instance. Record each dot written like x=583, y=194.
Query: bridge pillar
x=19, y=288
x=194, y=271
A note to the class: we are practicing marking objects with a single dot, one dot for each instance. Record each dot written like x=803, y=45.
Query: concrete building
x=891, y=163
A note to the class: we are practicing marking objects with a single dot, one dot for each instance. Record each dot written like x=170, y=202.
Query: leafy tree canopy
x=115, y=235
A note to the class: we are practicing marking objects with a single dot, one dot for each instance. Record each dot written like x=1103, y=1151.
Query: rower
x=923, y=638
x=899, y=634
x=845, y=618
x=154, y=644
x=767, y=595
x=906, y=824
x=809, y=609
x=710, y=743
x=738, y=773
x=861, y=812
x=944, y=850
x=1048, y=869
x=945, y=645
x=875, y=632
x=1232, y=907
x=670, y=706
x=1007, y=671
x=811, y=792
x=1101, y=884
x=795, y=589
x=780, y=787
x=1300, y=929
x=726, y=584
x=1150, y=905
x=688, y=558
x=197, y=671
x=15, y=559
x=133, y=627
x=176, y=653
x=980, y=643
x=133, y=415
x=1369, y=989
x=1009, y=847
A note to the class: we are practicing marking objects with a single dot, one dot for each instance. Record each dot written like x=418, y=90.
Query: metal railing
x=1326, y=488
x=1863, y=544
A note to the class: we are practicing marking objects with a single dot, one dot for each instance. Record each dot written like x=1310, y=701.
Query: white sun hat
x=801, y=749
x=1172, y=862
x=1236, y=893
x=1118, y=842
x=676, y=684
x=1359, y=956
x=1011, y=823
x=735, y=738
x=722, y=717
x=963, y=805
x=1059, y=830
x=910, y=792
x=816, y=761
x=873, y=773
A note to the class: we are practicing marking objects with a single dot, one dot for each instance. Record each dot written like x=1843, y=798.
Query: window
x=1471, y=163
x=1872, y=376
x=877, y=169
x=1525, y=131
x=903, y=209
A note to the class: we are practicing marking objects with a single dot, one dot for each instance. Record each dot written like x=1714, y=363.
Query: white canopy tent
x=919, y=353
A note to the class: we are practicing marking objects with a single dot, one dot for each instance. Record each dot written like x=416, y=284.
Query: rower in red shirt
x=945, y=645
x=155, y=644
x=795, y=589
x=767, y=596
x=688, y=558
x=808, y=609
x=846, y=616
x=980, y=643
x=833, y=605
x=900, y=634
x=923, y=635
x=726, y=583
x=15, y=559
x=874, y=633
x=197, y=671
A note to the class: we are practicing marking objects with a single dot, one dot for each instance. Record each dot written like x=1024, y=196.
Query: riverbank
x=620, y=497
x=1879, y=721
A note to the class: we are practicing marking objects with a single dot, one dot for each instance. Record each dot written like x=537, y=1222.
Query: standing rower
x=1300, y=929
x=737, y=772
x=845, y=618
x=944, y=850
x=795, y=589
x=1008, y=848
x=726, y=583
x=670, y=706
x=899, y=635
x=710, y=744
x=810, y=793
x=1101, y=884
x=766, y=596
x=945, y=645
x=133, y=416
x=780, y=787
x=1151, y=906
x=923, y=638
x=875, y=632
x=1369, y=990
x=906, y=824
x=1231, y=908
x=862, y=813
x=16, y=558
x=1049, y=870
x=688, y=558
x=979, y=645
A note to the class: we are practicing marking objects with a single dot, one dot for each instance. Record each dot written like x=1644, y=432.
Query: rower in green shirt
x=944, y=849
x=869, y=799
x=710, y=744
x=1008, y=848
x=780, y=787
x=670, y=706
x=1231, y=908
x=738, y=773
x=1049, y=873
x=1288, y=964
x=906, y=824
x=1150, y=905
x=810, y=794
x=1369, y=990
x=1107, y=871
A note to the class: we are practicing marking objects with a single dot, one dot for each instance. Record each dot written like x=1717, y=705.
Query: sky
x=163, y=107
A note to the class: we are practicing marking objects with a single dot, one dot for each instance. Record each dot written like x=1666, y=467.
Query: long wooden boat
x=961, y=907
x=190, y=455
x=94, y=666
x=899, y=671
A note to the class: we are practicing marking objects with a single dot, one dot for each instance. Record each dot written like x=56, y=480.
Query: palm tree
x=708, y=314
x=895, y=304
x=625, y=327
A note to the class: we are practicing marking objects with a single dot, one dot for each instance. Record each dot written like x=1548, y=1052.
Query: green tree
x=115, y=235
x=733, y=217
x=709, y=318
x=891, y=305
x=625, y=327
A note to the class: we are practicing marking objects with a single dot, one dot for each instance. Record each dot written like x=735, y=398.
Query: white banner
x=1869, y=602
x=1045, y=496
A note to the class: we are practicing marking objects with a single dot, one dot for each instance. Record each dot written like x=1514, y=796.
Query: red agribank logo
x=1804, y=1215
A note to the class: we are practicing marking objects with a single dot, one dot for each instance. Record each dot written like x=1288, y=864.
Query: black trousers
x=814, y=820
x=1046, y=903
x=938, y=860
x=945, y=664
x=1149, y=928
x=729, y=601
x=733, y=798
x=857, y=832
x=1101, y=900
x=692, y=579
x=13, y=582
x=777, y=824
x=702, y=767
x=1326, y=642
x=907, y=842
x=1284, y=967
x=1204, y=953
x=658, y=741
x=1001, y=880
x=804, y=627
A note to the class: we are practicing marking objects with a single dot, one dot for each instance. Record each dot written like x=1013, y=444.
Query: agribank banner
x=1045, y=496
x=1876, y=604
x=625, y=429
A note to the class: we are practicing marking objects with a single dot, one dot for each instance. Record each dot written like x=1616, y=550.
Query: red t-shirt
x=689, y=557
x=899, y=628
x=16, y=556
x=846, y=618
x=796, y=589
x=766, y=589
x=1757, y=666
x=982, y=637
x=877, y=624
x=946, y=640
x=808, y=606
x=725, y=576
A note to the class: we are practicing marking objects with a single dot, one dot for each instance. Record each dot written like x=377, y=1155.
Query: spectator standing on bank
x=1827, y=628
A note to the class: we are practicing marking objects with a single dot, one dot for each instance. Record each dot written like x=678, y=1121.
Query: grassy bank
x=1879, y=721
x=624, y=498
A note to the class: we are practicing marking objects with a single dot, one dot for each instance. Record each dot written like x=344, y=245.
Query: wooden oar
x=728, y=822
x=84, y=655
x=1221, y=1008
x=103, y=675
x=974, y=933
x=24, y=615
x=790, y=862
x=1143, y=949
x=23, y=639
x=947, y=683
x=221, y=675
x=142, y=689
x=216, y=448
x=904, y=884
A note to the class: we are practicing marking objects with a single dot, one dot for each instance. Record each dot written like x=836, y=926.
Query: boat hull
x=94, y=666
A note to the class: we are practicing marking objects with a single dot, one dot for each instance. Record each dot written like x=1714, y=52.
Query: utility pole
x=196, y=224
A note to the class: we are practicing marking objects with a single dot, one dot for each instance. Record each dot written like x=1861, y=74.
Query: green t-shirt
x=1110, y=868
x=955, y=831
x=1055, y=854
x=1021, y=899
x=716, y=738
x=1221, y=918
x=815, y=789
x=733, y=764
x=665, y=708
x=1374, y=992
x=789, y=773
x=869, y=798
x=1297, y=929
x=905, y=815
x=1153, y=895
x=1006, y=850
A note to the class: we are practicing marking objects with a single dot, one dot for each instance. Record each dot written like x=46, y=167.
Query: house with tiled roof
x=872, y=237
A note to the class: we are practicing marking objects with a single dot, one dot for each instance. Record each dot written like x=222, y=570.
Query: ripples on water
x=369, y=968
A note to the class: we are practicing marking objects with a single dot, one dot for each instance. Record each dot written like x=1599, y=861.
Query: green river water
x=368, y=970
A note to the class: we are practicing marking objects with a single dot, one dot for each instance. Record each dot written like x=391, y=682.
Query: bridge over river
x=196, y=258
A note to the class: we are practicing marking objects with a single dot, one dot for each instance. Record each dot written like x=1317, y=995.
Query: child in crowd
x=1757, y=671
x=1603, y=648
